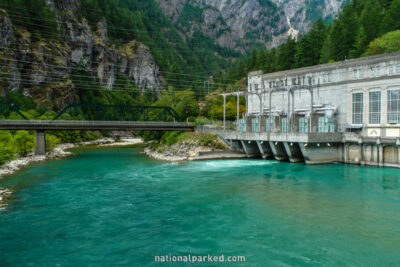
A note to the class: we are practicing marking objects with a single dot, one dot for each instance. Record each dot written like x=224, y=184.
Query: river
x=114, y=206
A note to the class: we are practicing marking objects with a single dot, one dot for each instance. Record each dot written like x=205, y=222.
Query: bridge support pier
x=40, y=144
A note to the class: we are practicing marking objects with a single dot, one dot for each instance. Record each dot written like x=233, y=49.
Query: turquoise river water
x=116, y=207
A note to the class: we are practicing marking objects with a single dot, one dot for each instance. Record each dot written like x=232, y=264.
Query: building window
x=357, y=108
x=394, y=106
x=397, y=68
x=378, y=71
x=372, y=72
x=270, y=124
x=390, y=69
x=242, y=125
x=355, y=74
x=256, y=87
x=326, y=124
x=361, y=74
x=254, y=125
x=284, y=125
x=303, y=125
x=374, y=107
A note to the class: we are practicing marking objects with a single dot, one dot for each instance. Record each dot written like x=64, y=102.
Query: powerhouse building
x=346, y=111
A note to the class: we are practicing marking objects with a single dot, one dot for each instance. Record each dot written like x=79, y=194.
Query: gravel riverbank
x=193, y=151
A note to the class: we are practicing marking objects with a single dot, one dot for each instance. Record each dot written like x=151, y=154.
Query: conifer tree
x=370, y=19
x=360, y=45
x=390, y=21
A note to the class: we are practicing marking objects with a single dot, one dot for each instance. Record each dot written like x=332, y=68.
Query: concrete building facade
x=345, y=111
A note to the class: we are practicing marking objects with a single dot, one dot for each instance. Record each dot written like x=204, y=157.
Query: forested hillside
x=241, y=24
x=52, y=50
x=363, y=28
x=351, y=35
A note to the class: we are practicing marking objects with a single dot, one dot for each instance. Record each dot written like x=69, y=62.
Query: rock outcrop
x=240, y=24
x=43, y=69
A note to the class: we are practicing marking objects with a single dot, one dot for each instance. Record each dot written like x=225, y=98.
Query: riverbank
x=60, y=151
x=192, y=146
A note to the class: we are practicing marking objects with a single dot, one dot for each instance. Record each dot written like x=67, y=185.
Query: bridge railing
x=96, y=123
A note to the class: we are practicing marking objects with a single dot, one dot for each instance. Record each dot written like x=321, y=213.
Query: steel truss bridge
x=103, y=117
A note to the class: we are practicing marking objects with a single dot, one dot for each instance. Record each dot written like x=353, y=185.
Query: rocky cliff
x=43, y=68
x=240, y=24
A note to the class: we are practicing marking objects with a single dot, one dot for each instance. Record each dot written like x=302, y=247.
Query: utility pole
x=237, y=113
x=224, y=111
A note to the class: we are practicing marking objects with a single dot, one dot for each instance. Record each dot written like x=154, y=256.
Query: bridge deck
x=94, y=125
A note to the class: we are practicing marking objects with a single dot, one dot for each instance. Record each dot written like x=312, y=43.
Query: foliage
x=35, y=16
x=23, y=142
x=390, y=42
x=7, y=150
x=214, y=108
x=186, y=104
x=51, y=142
x=170, y=138
x=147, y=24
x=348, y=36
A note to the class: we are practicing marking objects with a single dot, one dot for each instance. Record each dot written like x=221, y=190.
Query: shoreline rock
x=191, y=153
x=4, y=194
x=192, y=146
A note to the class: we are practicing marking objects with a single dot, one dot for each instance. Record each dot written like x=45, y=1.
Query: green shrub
x=170, y=138
x=23, y=141
x=51, y=142
x=7, y=149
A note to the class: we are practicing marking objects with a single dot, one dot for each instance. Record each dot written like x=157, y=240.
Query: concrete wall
x=333, y=85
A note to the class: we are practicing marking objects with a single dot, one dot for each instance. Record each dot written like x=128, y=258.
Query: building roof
x=330, y=66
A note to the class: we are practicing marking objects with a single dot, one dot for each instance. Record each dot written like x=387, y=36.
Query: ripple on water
x=100, y=208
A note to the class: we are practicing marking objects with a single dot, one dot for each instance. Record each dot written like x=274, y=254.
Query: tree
x=388, y=43
x=251, y=62
x=390, y=21
x=7, y=150
x=23, y=142
x=287, y=53
x=51, y=142
x=309, y=47
x=360, y=45
x=186, y=104
x=370, y=19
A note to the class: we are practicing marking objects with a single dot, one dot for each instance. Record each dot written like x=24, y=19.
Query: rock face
x=240, y=24
x=302, y=13
x=6, y=31
x=43, y=69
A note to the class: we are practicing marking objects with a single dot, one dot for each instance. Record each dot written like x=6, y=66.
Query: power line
x=118, y=85
x=175, y=33
x=153, y=49
x=50, y=34
x=80, y=69
x=97, y=62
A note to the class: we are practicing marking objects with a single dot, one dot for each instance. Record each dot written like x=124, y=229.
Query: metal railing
x=72, y=123
x=217, y=126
